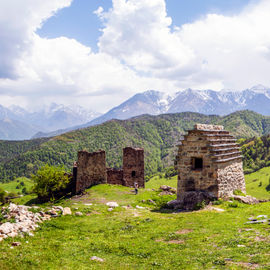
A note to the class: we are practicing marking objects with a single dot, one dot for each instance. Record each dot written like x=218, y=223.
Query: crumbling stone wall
x=230, y=177
x=209, y=160
x=115, y=177
x=133, y=166
x=91, y=169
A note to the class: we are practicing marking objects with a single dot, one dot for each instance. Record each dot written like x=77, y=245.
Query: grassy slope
x=158, y=135
x=258, y=183
x=11, y=186
x=142, y=238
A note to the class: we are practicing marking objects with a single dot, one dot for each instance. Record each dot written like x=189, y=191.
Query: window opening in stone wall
x=197, y=163
x=133, y=174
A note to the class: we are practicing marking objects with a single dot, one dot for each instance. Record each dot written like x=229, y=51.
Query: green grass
x=11, y=186
x=258, y=183
x=157, y=181
x=142, y=238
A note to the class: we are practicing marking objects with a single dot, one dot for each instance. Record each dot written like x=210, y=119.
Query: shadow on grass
x=268, y=187
x=42, y=201
x=168, y=210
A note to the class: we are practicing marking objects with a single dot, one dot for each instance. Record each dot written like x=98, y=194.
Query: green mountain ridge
x=158, y=135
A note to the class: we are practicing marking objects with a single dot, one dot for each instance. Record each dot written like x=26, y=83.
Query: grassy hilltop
x=139, y=234
x=158, y=135
x=143, y=238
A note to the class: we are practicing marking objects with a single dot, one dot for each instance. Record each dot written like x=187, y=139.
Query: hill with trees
x=158, y=135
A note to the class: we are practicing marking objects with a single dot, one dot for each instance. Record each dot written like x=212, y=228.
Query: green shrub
x=49, y=181
x=233, y=204
x=161, y=201
x=2, y=195
x=200, y=205
x=170, y=172
x=12, y=194
x=147, y=178
x=217, y=202
x=248, y=170
x=25, y=191
x=239, y=192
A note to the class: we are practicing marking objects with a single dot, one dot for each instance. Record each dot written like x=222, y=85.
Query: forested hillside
x=11, y=149
x=158, y=135
x=256, y=152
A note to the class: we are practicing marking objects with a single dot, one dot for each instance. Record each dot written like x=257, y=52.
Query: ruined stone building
x=209, y=160
x=91, y=169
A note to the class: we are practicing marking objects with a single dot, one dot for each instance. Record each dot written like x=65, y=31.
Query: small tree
x=49, y=181
x=24, y=191
x=170, y=172
x=2, y=195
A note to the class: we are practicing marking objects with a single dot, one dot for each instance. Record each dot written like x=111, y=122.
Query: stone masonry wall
x=221, y=172
x=189, y=179
x=91, y=169
x=133, y=166
x=115, y=177
x=230, y=178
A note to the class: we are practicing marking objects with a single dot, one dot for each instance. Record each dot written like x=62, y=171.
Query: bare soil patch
x=184, y=231
x=171, y=241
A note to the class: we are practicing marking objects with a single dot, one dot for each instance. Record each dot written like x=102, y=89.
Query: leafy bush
x=233, y=204
x=161, y=201
x=200, y=205
x=12, y=194
x=25, y=191
x=49, y=181
x=170, y=172
x=2, y=195
x=239, y=192
x=147, y=178
x=217, y=202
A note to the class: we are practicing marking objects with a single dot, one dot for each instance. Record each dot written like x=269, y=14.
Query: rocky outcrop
x=246, y=199
x=191, y=200
x=21, y=219
x=167, y=190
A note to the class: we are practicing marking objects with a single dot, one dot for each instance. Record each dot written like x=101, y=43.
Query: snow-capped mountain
x=18, y=123
x=57, y=116
x=149, y=102
x=56, y=119
x=222, y=102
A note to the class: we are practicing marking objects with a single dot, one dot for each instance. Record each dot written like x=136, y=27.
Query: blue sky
x=98, y=53
x=79, y=21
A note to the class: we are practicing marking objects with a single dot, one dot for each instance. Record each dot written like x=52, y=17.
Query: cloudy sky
x=98, y=53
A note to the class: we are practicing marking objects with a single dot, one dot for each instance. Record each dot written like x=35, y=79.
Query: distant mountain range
x=17, y=123
x=202, y=101
x=58, y=119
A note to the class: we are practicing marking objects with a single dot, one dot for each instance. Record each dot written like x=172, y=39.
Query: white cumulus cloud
x=18, y=21
x=138, y=50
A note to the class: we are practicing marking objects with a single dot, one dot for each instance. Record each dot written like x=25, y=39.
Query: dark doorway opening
x=133, y=174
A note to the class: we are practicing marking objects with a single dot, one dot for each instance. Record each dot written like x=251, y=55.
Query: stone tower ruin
x=209, y=161
x=90, y=169
x=133, y=166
